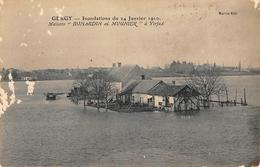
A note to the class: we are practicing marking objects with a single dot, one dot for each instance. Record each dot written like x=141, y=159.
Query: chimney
x=143, y=77
x=173, y=82
x=119, y=64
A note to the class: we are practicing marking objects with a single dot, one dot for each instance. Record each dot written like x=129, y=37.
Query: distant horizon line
x=146, y=67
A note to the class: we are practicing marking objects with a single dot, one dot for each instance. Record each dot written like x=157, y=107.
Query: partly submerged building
x=158, y=94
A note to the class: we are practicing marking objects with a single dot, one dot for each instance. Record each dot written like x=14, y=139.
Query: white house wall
x=158, y=101
x=141, y=98
x=171, y=100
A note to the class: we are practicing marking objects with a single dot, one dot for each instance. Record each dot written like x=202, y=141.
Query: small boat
x=51, y=96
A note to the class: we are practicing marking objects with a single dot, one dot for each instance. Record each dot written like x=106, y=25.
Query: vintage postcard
x=130, y=83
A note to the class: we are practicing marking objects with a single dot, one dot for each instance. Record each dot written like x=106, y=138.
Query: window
x=150, y=100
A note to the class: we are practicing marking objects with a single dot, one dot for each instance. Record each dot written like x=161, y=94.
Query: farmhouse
x=158, y=94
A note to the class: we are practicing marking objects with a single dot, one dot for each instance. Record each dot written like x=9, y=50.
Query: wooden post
x=174, y=104
x=245, y=96
x=98, y=104
x=235, y=102
x=191, y=104
x=106, y=104
x=198, y=103
x=84, y=101
x=210, y=101
x=227, y=95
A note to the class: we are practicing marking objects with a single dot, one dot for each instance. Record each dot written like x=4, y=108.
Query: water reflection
x=187, y=114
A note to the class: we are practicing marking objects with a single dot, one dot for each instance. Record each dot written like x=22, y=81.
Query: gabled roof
x=166, y=90
x=128, y=88
x=126, y=73
x=145, y=85
x=173, y=90
x=152, y=87
x=157, y=87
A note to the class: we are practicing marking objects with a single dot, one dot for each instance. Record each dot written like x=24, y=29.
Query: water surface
x=37, y=132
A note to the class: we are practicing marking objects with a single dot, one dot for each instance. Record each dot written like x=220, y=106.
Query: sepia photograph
x=130, y=83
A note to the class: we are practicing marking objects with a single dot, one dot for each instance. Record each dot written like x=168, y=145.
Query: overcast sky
x=193, y=31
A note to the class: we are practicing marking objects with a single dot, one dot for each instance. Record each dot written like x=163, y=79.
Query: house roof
x=166, y=90
x=126, y=73
x=128, y=88
x=145, y=85
x=157, y=87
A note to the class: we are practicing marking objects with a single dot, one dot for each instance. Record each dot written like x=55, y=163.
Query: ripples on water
x=37, y=132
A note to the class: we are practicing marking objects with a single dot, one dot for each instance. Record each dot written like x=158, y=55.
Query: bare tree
x=84, y=89
x=80, y=90
x=207, y=82
x=101, y=88
x=107, y=90
x=97, y=92
x=96, y=86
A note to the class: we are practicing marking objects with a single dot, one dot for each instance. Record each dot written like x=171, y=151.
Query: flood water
x=38, y=132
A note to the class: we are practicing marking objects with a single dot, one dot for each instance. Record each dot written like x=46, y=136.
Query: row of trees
x=5, y=73
x=180, y=67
